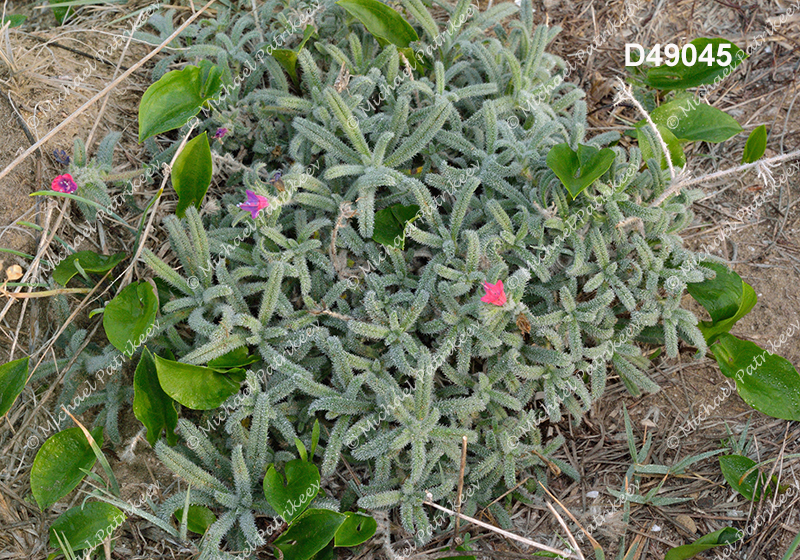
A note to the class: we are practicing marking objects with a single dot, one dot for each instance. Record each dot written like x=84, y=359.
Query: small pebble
x=593, y=494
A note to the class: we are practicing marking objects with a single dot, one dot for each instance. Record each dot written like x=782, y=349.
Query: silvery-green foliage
x=392, y=348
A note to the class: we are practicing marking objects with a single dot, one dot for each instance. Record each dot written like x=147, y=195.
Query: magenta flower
x=495, y=294
x=64, y=183
x=221, y=132
x=255, y=203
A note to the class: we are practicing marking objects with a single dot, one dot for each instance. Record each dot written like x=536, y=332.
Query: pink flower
x=255, y=203
x=221, y=132
x=64, y=183
x=495, y=294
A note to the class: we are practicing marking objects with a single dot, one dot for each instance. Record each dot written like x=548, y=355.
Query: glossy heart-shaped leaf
x=723, y=537
x=726, y=297
x=694, y=121
x=195, y=387
x=385, y=24
x=390, y=224
x=191, y=174
x=756, y=145
x=683, y=76
x=87, y=526
x=57, y=466
x=733, y=469
x=767, y=382
x=129, y=316
x=578, y=170
x=89, y=261
x=199, y=519
x=176, y=97
x=355, y=530
x=310, y=533
x=151, y=405
x=13, y=376
x=290, y=497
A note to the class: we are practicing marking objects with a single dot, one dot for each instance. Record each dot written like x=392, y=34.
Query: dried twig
x=460, y=488
x=146, y=232
x=22, y=157
x=625, y=94
x=561, y=522
x=506, y=534
x=762, y=165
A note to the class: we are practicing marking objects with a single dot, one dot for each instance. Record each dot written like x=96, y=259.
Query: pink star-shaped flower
x=64, y=183
x=495, y=294
x=255, y=203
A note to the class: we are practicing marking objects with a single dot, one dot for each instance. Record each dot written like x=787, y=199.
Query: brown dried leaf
x=523, y=324
x=14, y=272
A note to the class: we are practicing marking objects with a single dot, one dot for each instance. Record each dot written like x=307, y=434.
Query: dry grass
x=765, y=252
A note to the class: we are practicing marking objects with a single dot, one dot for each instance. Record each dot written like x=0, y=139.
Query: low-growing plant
x=567, y=287
x=444, y=223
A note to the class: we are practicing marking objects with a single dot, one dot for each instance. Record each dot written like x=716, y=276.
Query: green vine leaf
x=716, y=539
x=726, y=297
x=191, y=174
x=151, y=405
x=59, y=464
x=767, y=382
x=13, y=377
x=756, y=145
x=86, y=526
x=290, y=497
x=196, y=387
x=88, y=261
x=355, y=530
x=129, y=316
x=385, y=24
x=309, y=534
x=175, y=98
x=694, y=121
x=200, y=518
x=390, y=225
x=733, y=469
x=700, y=73
x=238, y=358
x=578, y=170
x=15, y=19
